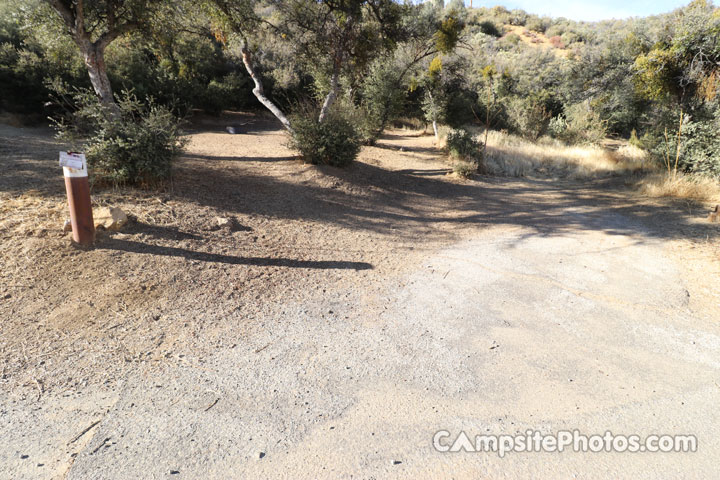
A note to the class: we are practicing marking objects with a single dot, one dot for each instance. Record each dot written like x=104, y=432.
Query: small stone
x=67, y=226
x=174, y=472
x=261, y=454
x=110, y=218
x=223, y=221
x=396, y=462
x=230, y=130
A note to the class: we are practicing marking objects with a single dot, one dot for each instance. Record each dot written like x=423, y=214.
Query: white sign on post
x=72, y=160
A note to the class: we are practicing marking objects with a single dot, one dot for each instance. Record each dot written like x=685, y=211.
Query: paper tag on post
x=76, y=161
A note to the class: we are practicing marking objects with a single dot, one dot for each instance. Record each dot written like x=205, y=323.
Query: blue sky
x=587, y=10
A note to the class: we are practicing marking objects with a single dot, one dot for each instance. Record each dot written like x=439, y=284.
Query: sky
x=588, y=10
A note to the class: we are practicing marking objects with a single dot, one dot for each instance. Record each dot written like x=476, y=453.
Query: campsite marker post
x=77, y=187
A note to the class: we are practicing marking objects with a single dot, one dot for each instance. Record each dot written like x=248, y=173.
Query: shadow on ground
x=407, y=202
x=144, y=248
x=403, y=202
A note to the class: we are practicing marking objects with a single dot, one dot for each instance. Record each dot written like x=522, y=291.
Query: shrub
x=488, y=27
x=518, y=17
x=700, y=151
x=465, y=169
x=28, y=56
x=448, y=35
x=462, y=145
x=465, y=150
x=555, y=30
x=568, y=38
x=382, y=100
x=580, y=124
x=528, y=116
x=647, y=142
x=557, y=126
x=509, y=41
x=556, y=42
x=537, y=24
x=699, y=148
x=333, y=142
x=232, y=91
x=134, y=145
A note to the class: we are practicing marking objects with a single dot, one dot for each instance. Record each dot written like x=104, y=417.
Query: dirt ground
x=316, y=270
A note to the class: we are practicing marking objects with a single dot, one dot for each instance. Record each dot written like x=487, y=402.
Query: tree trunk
x=487, y=130
x=435, y=129
x=679, y=143
x=259, y=92
x=331, y=96
x=94, y=57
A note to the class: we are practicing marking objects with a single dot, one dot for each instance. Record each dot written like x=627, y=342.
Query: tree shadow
x=215, y=158
x=407, y=202
x=160, y=231
x=242, y=123
x=29, y=161
x=144, y=248
x=405, y=148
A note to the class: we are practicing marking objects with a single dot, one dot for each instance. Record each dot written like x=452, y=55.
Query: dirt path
x=345, y=316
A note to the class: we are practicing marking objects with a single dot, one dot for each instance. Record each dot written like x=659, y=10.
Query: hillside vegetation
x=337, y=74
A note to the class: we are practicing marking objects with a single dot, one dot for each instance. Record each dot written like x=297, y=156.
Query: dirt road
x=347, y=316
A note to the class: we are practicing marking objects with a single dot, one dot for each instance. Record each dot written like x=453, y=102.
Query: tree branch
x=111, y=35
x=64, y=12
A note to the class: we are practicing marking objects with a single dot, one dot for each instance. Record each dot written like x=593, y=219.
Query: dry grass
x=698, y=189
x=509, y=155
x=513, y=156
x=30, y=213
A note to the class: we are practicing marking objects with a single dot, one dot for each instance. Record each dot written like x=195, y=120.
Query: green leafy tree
x=329, y=38
x=677, y=71
x=95, y=24
x=435, y=100
x=492, y=88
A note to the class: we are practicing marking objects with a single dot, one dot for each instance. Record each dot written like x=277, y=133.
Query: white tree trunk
x=95, y=62
x=331, y=96
x=437, y=134
x=259, y=92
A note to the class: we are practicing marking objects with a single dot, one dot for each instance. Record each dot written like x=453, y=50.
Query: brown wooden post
x=77, y=187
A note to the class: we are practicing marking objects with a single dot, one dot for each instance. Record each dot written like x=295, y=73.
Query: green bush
x=528, y=116
x=462, y=145
x=190, y=72
x=28, y=57
x=509, y=41
x=580, y=124
x=232, y=91
x=558, y=127
x=382, y=100
x=465, y=169
x=332, y=142
x=465, y=150
x=488, y=27
x=537, y=24
x=647, y=142
x=518, y=17
x=133, y=145
x=700, y=150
